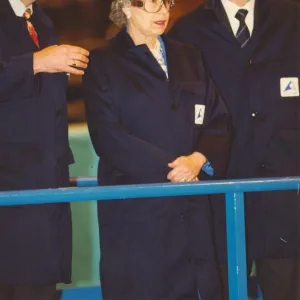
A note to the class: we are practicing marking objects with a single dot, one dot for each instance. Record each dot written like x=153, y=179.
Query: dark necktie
x=243, y=34
x=30, y=28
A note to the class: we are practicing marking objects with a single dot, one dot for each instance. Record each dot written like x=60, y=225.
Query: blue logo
x=289, y=87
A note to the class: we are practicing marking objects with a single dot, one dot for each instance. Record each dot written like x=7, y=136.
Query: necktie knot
x=30, y=27
x=27, y=14
x=241, y=15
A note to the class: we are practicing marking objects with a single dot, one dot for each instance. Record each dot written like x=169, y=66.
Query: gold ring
x=74, y=63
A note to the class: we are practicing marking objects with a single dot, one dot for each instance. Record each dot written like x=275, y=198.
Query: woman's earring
x=126, y=9
x=128, y=14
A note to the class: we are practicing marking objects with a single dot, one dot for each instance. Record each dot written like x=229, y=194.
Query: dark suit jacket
x=34, y=154
x=253, y=82
x=139, y=121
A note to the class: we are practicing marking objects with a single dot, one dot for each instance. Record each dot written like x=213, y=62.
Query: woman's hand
x=186, y=168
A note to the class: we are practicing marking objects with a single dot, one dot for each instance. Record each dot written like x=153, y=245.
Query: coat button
x=182, y=216
x=250, y=62
x=257, y=115
x=262, y=165
x=147, y=54
x=173, y=107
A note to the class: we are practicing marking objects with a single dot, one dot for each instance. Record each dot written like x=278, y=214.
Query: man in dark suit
x=251, y=49
x=35, y=251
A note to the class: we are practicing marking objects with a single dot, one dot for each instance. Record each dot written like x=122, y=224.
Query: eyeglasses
x=154, y=6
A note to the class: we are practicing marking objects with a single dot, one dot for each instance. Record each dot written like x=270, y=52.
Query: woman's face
x=150, y=17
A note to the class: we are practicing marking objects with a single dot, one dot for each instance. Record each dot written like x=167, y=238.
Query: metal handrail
x=233, y=189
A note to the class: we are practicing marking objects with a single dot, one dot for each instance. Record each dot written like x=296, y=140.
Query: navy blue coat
x=255, y=83
x=139, y=121
x=34, y=154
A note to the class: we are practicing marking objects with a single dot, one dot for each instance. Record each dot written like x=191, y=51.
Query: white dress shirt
x=19, y=7
x=231, y=9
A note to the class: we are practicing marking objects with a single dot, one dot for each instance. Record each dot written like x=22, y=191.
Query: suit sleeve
x=16, y=77
x=215, y=139
x=112, y=141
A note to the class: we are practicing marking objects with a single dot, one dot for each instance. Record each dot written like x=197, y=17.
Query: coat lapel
x=217, y=20
x=262, y=25
x=140, y=54
x=6, y=11
x=45, y=26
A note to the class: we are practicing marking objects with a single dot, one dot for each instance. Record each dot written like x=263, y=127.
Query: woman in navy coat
x=154, y=116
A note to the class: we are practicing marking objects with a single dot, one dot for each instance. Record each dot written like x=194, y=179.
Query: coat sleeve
x=111, y=140
x=215, y=139
x=16, y=77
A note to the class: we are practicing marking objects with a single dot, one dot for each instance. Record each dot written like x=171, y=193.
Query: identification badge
x=199, y=114
x=289, y=87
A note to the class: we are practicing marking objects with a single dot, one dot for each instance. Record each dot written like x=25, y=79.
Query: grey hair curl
x=117, y=15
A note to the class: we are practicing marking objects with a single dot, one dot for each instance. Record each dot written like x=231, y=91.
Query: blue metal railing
x=234, y=191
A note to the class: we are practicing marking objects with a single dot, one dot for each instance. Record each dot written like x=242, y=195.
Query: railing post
x=236, y=246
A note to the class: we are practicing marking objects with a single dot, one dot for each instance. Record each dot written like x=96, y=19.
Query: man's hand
x=186, y=168
x=64, y=58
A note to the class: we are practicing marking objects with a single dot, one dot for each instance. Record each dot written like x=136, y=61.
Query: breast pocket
x=275, y=91
x=288, y=89
x=18, y=120
x=192, y=98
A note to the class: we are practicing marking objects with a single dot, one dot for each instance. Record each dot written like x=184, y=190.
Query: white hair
x=117, y=15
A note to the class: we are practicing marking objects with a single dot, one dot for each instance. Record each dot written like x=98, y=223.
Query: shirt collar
x=19, y=7
x=231, y=8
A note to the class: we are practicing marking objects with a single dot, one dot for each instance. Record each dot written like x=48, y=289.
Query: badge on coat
x=199, y=114
x=289, y=87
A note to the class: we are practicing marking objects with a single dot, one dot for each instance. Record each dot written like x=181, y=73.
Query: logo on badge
x=199, y=114
x=289, y=87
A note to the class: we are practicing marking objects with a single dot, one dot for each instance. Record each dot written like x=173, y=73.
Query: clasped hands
x=186, y=168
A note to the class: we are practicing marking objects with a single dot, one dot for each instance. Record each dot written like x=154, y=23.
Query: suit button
x=191, y=261
x=262, y=166
x=250, y=62
x=255, y=114
x=174, y=107
x=182, y=216
x=147, y=54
